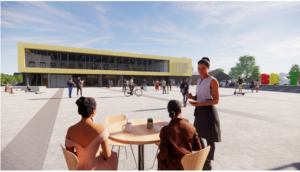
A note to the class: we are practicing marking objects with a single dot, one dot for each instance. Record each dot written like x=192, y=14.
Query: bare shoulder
x=71, y=130
x=214, y=82
x=99, y=128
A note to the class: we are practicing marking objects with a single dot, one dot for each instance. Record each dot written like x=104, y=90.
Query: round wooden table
x=140, y=135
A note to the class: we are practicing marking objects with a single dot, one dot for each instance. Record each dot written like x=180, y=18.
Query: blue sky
x=222, y=31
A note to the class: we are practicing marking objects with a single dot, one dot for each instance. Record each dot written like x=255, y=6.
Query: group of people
x=162, y=85
x=79, y=85
x=253, y=84
x=11, y=91
x=177, y=139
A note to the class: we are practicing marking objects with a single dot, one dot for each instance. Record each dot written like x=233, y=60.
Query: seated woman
x=86, y=137
x=176, y=139
x=7, y=89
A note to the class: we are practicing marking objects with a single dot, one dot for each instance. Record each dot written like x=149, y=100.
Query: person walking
x=124, y=85
x=108, y=84
x=70, y=84
x=111, y=83
x=145, y=85
x=252, y=85
x=184, y=85
x=226, y=83
x=170, y=85
x=256, y=85
x=79, y=86
x=160, y=85
x=118, y=83
x=192, y=83
x=249, y=80
x=206, y=120
x=163, y=84
x=157, y=85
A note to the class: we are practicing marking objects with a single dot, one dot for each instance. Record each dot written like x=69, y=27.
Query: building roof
x=197, y=73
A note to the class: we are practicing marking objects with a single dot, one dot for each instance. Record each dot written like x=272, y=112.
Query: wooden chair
x=71, y=159
x=158, y=143
x=196, y=160
x=113, y=119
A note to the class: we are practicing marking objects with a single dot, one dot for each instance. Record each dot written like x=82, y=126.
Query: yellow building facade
x=52, y=66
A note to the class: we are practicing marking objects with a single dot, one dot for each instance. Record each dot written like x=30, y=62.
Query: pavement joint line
x=28, y=149
x=244, y=114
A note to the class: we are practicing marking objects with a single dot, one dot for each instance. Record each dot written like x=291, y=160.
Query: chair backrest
x=113, y=119
x=196, y=160
x=71, y=159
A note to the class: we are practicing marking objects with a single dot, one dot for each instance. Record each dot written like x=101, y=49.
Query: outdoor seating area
x=138, y=149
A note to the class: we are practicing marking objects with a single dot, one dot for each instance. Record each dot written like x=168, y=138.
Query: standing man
x=70, y=84
x=249, y=79
x=226, y=83
x=124, y=85
x=163, y=84
x=240, y=81
x=184, y=85
x=79, y=86
x=118, y=83
x=170, y=84
x=145, y=85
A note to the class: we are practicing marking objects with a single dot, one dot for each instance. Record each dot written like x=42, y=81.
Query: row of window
x=51, y=59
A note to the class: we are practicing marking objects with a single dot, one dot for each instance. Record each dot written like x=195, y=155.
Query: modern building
x=215, y=73
x=52, y=66
x=17, y=73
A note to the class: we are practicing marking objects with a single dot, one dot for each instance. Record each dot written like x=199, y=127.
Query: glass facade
x=56, y=59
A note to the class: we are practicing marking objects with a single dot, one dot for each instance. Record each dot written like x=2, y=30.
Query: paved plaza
x=259, y=131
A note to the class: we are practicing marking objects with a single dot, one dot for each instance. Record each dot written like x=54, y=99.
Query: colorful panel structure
x=265, y=79
x=274, y=78
x=294, y=77
x=283, y=78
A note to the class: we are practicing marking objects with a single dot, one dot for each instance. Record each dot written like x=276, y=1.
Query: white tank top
x=203, y=90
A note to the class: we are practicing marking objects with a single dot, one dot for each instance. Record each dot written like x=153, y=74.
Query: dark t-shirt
x=240, y=81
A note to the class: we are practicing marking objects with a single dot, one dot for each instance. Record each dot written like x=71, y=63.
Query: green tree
x=19, y=78
x=256, y=73
x=295, y=68
x=220, y=69
x=233, y=73
x=246, y=64
x=239, y=70
x=3, y=78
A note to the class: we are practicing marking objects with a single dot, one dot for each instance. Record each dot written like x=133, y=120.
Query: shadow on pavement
x=296, y=165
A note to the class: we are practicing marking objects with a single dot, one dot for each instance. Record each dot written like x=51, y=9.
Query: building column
x=121, y=80
x=100, y=80
x=49, y=80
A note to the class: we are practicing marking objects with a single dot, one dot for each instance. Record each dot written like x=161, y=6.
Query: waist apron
x=207, y=123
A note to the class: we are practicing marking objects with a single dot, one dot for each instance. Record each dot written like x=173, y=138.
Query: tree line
x=244, y=68
x=10, y=79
